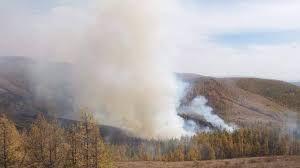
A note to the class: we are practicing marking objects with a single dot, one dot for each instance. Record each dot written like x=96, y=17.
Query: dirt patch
x=257, y=162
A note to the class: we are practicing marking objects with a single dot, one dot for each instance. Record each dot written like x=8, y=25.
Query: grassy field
x=257, y=162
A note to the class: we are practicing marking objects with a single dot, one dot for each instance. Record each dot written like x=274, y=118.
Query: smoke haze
x=118, y=70
x=119, y=67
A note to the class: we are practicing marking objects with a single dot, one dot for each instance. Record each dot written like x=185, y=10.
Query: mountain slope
x=247, y=101
x=244, y=101
x=21, y=96
x=280, y=92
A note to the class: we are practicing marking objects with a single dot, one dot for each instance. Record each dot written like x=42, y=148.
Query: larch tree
x=193, y=152
x=74, y=153
x=178, y=154
x=11, y=145
x=45, y=144
x=88, y=148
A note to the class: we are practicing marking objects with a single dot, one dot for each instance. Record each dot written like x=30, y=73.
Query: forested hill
x=243, y=101
x=246, y=101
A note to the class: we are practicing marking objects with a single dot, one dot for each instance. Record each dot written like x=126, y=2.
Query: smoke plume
x=120, y=70
x=199, y=109
x=120, y=74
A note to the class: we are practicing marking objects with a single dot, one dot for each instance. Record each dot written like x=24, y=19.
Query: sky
x=253, y=38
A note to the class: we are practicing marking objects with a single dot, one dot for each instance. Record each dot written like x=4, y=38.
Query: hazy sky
x=259, y=38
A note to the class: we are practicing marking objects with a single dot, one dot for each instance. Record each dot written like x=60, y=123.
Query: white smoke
x=292, y=123
x=192, y=127
x=122, y=74
x=120, y=69
x=199, y=109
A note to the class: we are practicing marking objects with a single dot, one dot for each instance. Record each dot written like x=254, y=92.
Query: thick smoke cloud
x=118, y=70
x=119, y=67
x=121, y=73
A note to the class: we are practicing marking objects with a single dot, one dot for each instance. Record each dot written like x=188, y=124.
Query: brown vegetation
x=257, y=162
x=244, y=101
x=47, y=145
x=244, y=142
x=285, y=94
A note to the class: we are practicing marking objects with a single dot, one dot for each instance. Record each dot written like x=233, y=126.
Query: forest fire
x=141, y=83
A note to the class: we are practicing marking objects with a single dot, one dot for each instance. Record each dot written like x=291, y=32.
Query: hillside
x=22, y=95
x=247, y=101
x=280, y=92
x=244, y=101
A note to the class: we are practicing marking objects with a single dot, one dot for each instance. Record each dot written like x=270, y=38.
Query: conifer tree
x=193, y=153
x=45, y=144
x=11, y=145
x=87, y=148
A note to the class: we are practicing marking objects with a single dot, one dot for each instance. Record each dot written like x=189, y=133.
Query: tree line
x=244, y=142
x=46, y=144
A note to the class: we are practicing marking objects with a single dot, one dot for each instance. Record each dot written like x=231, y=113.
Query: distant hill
x=21, y=94
x=282, y=93
x=296, y=83
x=244, y=101
x=21, y=99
